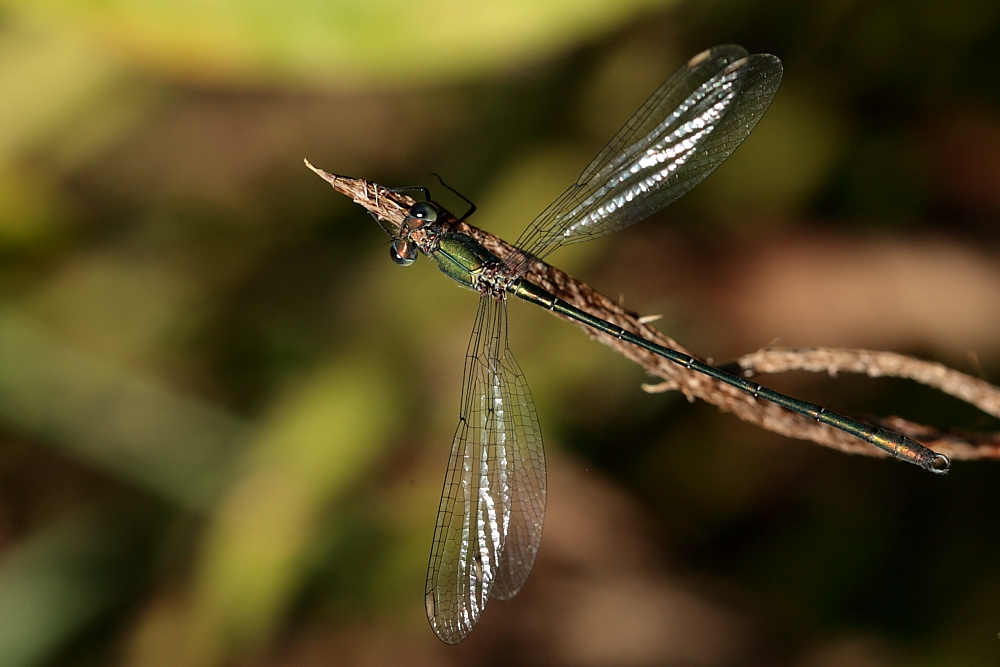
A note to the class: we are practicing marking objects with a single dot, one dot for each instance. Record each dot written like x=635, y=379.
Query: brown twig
x=873, y=363
x=391, y=208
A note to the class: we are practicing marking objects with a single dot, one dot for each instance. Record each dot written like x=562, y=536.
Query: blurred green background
x=225, y=415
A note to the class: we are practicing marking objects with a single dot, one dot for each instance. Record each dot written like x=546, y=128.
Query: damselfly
x=489, y=522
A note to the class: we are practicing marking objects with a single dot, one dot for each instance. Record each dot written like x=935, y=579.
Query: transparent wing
x=686, y=129
x=489, y=522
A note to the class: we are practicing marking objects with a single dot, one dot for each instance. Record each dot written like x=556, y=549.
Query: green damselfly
x=492, y=507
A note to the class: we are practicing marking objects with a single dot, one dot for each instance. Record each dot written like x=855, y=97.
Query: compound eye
x=424, y=211
x=403, y=253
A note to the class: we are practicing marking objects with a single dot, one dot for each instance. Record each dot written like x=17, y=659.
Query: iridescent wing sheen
x=489, y=522
x=686, y=129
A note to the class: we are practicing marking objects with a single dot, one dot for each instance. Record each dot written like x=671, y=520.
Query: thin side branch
x=873, y=363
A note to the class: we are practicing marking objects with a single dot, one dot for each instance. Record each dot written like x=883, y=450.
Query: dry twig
x=391, y=208
x=873, y=363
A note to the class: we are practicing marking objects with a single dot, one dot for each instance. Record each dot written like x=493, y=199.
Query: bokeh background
x=225, y=415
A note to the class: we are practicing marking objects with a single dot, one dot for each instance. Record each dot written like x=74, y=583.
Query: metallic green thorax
x=462, y=259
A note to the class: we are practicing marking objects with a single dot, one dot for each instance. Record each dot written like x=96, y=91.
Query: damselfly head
x=403, y=252
x=424, y=212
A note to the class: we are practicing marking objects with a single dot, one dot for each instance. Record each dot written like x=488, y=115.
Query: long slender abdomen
x=895, y=444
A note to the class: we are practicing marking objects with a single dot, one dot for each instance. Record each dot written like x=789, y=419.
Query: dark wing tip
x=723, y=54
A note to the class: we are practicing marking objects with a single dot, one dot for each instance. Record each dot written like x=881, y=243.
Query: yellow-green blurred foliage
x=225, y=416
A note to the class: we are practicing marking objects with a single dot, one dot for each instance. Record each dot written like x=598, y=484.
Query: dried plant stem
x=390, y=209
x=873, y=363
